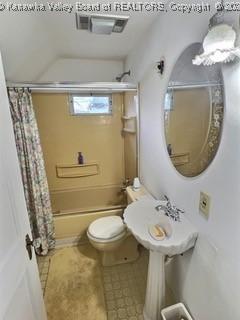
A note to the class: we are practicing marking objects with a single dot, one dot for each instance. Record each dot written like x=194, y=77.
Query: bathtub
x=74, y=210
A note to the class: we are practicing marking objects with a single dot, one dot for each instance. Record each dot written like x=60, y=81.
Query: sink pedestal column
x=155, y=294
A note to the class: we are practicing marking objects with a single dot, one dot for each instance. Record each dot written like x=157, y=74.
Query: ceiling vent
x=101, y=24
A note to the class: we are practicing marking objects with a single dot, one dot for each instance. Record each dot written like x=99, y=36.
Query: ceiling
x=30, y=42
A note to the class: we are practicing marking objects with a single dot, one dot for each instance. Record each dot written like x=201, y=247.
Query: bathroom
x=81, y=194
x=148, y=132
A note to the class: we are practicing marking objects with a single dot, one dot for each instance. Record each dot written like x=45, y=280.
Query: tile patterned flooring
x=124, y=289
x=124, y=286
x=43, y=267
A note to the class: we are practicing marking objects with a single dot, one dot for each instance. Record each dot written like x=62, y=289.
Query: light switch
x=204, y=204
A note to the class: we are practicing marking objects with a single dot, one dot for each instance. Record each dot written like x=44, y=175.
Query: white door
x=20, y=289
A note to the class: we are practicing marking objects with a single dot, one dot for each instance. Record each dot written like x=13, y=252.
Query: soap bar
x=157, y=232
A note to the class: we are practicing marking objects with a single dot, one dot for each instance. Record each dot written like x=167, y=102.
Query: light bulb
x=219, y=56
x=218, y=46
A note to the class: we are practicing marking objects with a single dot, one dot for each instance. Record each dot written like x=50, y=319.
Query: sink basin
x=138, y=216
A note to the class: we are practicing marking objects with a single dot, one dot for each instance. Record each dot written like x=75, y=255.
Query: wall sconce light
x=219, y=45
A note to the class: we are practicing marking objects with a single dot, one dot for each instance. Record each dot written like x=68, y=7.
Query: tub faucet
x=126, y=183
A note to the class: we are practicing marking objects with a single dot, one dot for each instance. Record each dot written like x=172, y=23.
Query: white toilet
x=110, y=236
x=107, y=233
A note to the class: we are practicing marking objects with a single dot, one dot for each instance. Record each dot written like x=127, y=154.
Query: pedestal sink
x=138, y=216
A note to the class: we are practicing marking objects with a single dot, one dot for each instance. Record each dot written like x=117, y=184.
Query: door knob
x=29, y=245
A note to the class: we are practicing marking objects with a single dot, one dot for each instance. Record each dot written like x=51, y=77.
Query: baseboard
x=70, y=242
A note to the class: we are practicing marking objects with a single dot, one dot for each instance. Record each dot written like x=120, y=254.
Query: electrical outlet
x=204, y=203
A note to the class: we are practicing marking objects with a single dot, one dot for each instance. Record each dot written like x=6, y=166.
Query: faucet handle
x=126, y=182
x=166, y=198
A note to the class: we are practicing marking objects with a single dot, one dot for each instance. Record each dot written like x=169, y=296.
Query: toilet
x=110, y=236
x=107, y=233
x=115, y=243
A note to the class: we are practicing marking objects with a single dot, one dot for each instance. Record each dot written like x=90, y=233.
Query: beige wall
x=62, y=136
x=187, y=125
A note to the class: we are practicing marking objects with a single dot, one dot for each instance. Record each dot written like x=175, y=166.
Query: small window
x=90, y=104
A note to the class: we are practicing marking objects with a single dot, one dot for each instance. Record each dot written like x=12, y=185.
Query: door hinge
x=29, y=245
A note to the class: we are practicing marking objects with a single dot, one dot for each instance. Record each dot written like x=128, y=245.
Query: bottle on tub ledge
x=80, y=158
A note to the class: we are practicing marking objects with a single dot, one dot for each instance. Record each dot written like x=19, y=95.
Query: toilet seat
x=107, y=229
x=113, y=239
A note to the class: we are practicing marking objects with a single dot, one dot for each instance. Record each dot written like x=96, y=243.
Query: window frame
x=87, y=94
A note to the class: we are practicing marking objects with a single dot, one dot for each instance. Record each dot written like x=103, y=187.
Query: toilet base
x=127, y=252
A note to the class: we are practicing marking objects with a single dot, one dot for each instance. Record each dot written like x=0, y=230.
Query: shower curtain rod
x=74, y=86
x=192, y=86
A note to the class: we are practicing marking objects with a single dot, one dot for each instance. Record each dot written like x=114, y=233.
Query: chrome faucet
x=126, y=183
x=160, y=207
x=169, y=210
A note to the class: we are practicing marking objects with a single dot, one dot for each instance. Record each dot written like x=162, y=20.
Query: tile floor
x=124, y=289
x=124, y=286
x=43, y=267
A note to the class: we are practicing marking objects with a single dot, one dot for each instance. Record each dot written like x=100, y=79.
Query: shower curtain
x=32, y=168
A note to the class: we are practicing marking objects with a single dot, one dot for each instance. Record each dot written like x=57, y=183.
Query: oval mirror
x=193, y=113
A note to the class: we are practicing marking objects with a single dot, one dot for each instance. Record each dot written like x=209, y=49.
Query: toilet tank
x=136, y=195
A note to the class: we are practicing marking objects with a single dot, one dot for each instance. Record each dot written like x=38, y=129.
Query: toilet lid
x=107, y=227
